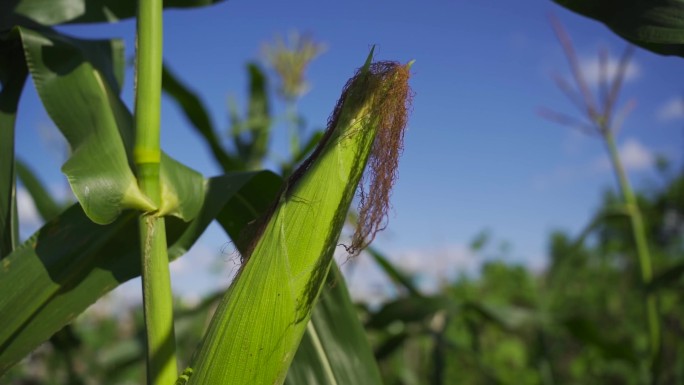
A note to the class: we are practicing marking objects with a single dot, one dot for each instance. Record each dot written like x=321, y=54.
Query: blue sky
x=477, y=154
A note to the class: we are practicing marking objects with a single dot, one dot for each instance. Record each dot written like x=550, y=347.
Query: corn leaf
x=586, y=331
x=397, y=276
x=78, y=82
x=252, y=134
x=53, y=12
x=13, y=74
x=411, y=309
x=71, y=262
x=391, y=344
x=657, y=25
x=670, y=278
x=334, y=349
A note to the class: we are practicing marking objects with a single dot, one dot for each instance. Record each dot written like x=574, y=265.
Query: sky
x=477, y=155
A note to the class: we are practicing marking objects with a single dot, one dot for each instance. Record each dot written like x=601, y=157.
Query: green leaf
x=252, y=207
x=394, y=274
x=410, y=309
x=53, y=12
x=182, y=189
x=657, y=25
x=667, y=278
x=391, y=344
x=13, y=74
x=258, y=125
x=71, y=262
x=78, y=84
x=46, y=205
x=334, y=349
x=589, y=334
x=507, y=317
x=77, y=94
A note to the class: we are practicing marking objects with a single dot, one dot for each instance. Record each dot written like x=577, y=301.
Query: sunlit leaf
x=334, y=349
x=88, y=112
x=71, y=262
x=77, y=81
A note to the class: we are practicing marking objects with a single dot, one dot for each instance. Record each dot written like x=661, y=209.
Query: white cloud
x=591, y=69
x=29, y=219
x=633, y=155
x=441, y=264
x=123, y=297
x=673, y=109
x=194, y=274
x=431, y=269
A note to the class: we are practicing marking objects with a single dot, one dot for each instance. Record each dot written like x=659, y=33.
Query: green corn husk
x=260, y=321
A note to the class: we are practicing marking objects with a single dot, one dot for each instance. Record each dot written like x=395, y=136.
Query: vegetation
x=138, y=208
x=606, y=310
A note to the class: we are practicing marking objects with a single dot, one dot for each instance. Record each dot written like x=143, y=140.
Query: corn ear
x=261, y=319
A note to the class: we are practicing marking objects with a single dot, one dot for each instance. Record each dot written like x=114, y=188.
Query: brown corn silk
x=384, y=87
x=391, y=108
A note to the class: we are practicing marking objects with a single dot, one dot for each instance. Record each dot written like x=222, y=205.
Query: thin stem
x=639, y=234
x=293, y=125
x=157, y=296
x=318, y=347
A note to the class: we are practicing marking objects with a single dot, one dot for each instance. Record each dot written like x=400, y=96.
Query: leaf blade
x=71, y=262
x=54, y=12
x=655, y=25
x=342, y=346
x=13, y=73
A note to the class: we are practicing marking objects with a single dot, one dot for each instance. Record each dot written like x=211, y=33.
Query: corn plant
x=603, y=120
x=138, y=209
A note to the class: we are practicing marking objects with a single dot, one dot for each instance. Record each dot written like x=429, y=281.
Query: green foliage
x=334, y=349
x=90, y=260
x=54, y=12
x=287, y=264
x=91, y=247
x=13, y=75
x=656, y=25
x=580, y=321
